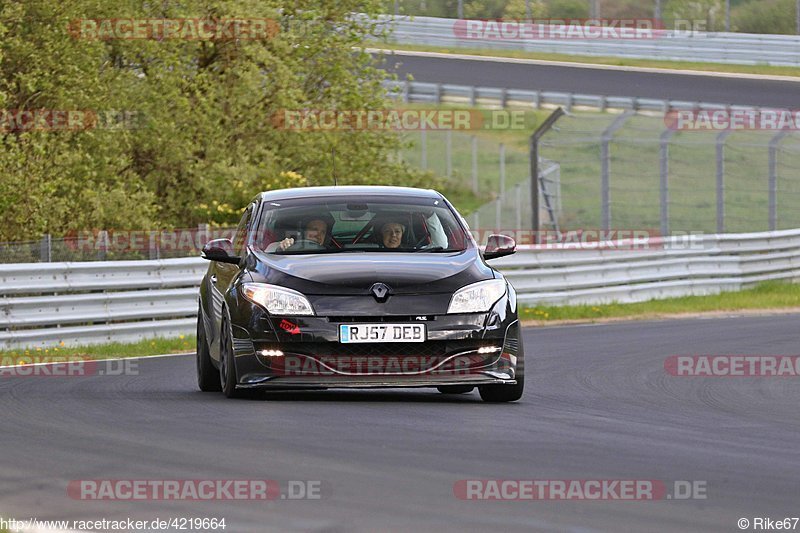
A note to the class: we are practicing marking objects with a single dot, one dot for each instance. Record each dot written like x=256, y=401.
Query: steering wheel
x=425, y=238
x=306, y=244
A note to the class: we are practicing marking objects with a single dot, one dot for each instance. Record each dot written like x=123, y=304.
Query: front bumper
x=305, y=353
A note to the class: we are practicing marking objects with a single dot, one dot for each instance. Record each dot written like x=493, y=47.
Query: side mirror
x=220, y=250
x=499, y=246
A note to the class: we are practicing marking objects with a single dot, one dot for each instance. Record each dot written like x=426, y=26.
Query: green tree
x=204, y=111
x=568, y=9
x=764, y=16
x=517, y=9
x=685, y=14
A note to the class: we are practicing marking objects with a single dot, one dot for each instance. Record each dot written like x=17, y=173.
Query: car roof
x=348, y=190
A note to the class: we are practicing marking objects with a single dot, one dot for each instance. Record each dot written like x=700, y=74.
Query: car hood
x=354, y=273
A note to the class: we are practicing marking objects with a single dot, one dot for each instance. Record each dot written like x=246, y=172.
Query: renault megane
x=357, y=286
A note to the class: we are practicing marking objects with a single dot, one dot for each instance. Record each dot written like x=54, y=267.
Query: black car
x=326, y=287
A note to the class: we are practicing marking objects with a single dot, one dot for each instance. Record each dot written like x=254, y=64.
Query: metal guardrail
x=422, y=92
x=97, y=302
x=663, y=268
x=712, y=47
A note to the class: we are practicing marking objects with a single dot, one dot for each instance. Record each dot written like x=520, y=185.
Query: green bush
x=764, y=16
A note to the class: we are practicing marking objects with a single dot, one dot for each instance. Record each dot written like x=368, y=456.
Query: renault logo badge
x=380, y=291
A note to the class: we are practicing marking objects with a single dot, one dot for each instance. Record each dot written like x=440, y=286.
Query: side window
x=240, y=239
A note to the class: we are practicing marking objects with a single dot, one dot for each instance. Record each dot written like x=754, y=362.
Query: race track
x=598, y=405
x=597, y=81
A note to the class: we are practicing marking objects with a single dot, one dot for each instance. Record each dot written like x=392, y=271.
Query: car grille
x=381, y=318
x=423, y=349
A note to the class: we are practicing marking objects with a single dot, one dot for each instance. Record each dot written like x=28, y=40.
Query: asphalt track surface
x=596, y=81
x=598, y=405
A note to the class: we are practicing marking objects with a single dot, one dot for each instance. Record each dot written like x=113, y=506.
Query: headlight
x=478, y=297
x=277, y=300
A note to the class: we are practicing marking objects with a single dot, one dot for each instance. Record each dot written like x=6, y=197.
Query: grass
x=184, y=343
x=768, y=295
x=599, y=60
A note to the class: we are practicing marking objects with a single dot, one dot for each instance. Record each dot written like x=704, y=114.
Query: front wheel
x=502, y=393
x=506, y=393
x=227, y=369
x=207, y=374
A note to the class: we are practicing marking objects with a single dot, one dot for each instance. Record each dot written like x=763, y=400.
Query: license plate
x=349, y=333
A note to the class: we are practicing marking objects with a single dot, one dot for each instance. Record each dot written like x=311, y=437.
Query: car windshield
x=374, y=224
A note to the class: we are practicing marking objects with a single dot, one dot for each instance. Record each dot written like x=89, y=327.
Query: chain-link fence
x=498, y=173
x=476, y=161
x=632, y=171
x=113, y=245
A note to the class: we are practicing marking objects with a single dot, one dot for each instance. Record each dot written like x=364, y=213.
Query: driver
x=316, y=230
x=391, y=233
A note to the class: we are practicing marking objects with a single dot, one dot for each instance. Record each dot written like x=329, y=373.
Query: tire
x=227, y=369
x=207, y=374
x=455, y=389
x=506, y=393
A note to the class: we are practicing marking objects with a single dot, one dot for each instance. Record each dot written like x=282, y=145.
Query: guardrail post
x=102, y=242
x=502, y=169
x=474, y=164
x=537, y=99
x=605, y=168
x=533, y=151
x=437, y=93
x=773, y=178
x=721, y=180
x=406, y=90
x=473, y=96
x=46, y=249
x=423, y=140
x=501, y=196
x=152, y=245
x=663, y=165
x=503, y=98
x=202, y=235
x=448, y=152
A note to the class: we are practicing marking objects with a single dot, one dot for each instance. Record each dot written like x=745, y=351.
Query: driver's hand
x=286, y=243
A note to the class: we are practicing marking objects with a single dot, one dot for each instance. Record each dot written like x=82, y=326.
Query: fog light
x=489, y=349
x=271, y=353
